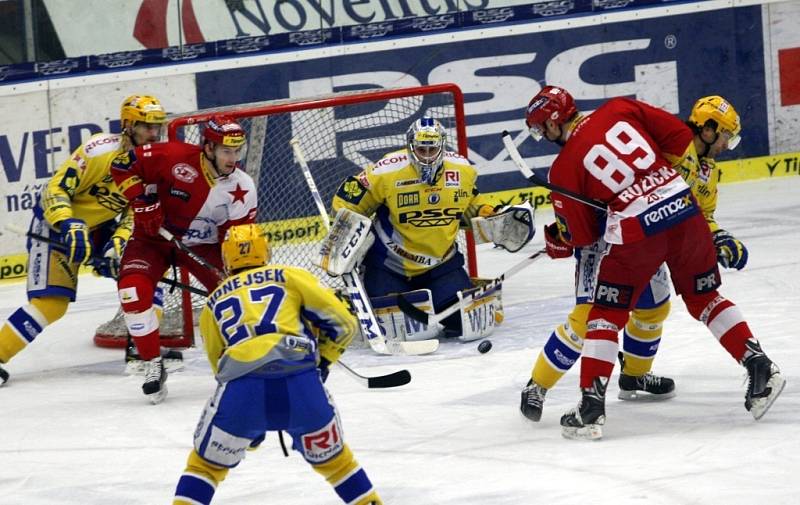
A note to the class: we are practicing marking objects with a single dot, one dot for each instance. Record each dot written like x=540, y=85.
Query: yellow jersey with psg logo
x=415, y=223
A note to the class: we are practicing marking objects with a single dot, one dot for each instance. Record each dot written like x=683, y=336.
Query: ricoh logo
x=668, y=210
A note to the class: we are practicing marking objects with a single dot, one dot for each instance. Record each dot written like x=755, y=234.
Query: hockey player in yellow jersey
x=716, y=126
x=79, y=208
x=271, y=332
x=416, y=198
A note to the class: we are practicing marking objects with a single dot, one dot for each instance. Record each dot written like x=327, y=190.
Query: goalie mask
x=718, y=114
x=245, y=246
x=426, y=141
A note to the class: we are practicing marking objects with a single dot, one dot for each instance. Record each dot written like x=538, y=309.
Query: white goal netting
x=339, y=134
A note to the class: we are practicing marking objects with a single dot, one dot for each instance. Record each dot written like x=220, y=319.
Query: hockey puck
x=485, y=346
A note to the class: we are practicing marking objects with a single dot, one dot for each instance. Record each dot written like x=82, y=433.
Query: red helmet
x=552, y=103
x=225, y=131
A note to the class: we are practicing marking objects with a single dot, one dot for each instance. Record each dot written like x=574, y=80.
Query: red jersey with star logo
x=198, y=208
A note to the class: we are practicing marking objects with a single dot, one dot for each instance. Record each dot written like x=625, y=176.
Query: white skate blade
x=137, y=366
x=158, y=397
x=644, y=396
x=761, y=405
x=585, y=432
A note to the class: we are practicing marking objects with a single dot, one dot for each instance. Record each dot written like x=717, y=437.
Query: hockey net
x=339, y=134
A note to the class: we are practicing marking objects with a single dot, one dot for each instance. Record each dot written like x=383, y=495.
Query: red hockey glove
x=555, y=247
x=147, y=215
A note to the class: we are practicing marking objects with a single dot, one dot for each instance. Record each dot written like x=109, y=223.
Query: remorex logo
x=668, y=210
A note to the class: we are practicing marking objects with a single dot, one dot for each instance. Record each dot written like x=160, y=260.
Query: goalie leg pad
x=395, y=324
x=479, y=316
x=347, y=242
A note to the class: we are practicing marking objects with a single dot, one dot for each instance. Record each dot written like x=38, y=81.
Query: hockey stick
x=471, y=295
x=184, y=248
x=508, y=142
x=355, y=290
x=94, y=259
x=392, y=380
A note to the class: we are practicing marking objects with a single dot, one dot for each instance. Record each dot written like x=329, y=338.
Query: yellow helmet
x=245, y=245
x=721, y=113
x=144, y=108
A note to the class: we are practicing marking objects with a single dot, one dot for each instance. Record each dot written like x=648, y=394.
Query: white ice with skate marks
x=75, y=430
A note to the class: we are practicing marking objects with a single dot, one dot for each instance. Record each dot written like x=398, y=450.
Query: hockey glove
x=147, y=215
x=75, y=236
x=108, y=265
x=731, y=253
x=555, y=247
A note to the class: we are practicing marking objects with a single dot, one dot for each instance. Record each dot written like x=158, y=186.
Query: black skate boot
x=764, y=380
x=3, y=376
x=585, y=422
x=645, y=387
x=155, y=379
x=532, y=401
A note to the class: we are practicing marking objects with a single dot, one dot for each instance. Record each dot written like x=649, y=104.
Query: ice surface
x=75, y=430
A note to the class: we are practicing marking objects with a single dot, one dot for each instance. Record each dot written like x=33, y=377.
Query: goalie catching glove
x=510, y=228
x=346, y=243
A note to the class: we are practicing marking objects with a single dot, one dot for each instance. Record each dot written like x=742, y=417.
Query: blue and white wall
x=668, y=55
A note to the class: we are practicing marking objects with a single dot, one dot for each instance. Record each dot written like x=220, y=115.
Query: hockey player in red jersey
x=620, y=157
x=194, y=192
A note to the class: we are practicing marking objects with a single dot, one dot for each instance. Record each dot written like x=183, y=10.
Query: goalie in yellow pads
x=271, y=332
x=416, y=199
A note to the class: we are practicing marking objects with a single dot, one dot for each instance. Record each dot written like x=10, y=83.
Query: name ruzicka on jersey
x=648, y=183
x=257, y=277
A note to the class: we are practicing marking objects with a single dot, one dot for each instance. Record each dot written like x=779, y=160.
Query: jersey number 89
x=607, y=167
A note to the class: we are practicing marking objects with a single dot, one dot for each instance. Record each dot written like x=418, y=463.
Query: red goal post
x=340, y=134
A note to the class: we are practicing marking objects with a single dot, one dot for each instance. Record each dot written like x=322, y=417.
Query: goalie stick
x=508, y=142
x=392, y=380
x=423, y=317
x=355, y=290
x=163, y=280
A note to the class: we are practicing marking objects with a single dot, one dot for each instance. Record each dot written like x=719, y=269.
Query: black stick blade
x=393, y=380
x=412, y=311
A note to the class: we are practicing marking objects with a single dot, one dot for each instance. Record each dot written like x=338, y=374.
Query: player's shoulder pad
x=124, y=160
x=391, y=162
x=352, y=189
x=456, y=159
x=101, y=143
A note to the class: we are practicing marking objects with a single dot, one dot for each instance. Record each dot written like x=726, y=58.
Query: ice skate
x=532, y=401
x=585, y=422
x=155, y=379
x=648, y=387
x=764, y=384
x=3, y=376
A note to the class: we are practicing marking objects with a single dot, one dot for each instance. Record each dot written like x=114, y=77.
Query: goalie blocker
x=346, y=244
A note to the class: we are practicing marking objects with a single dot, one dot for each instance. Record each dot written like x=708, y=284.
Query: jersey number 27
x=229, y=314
